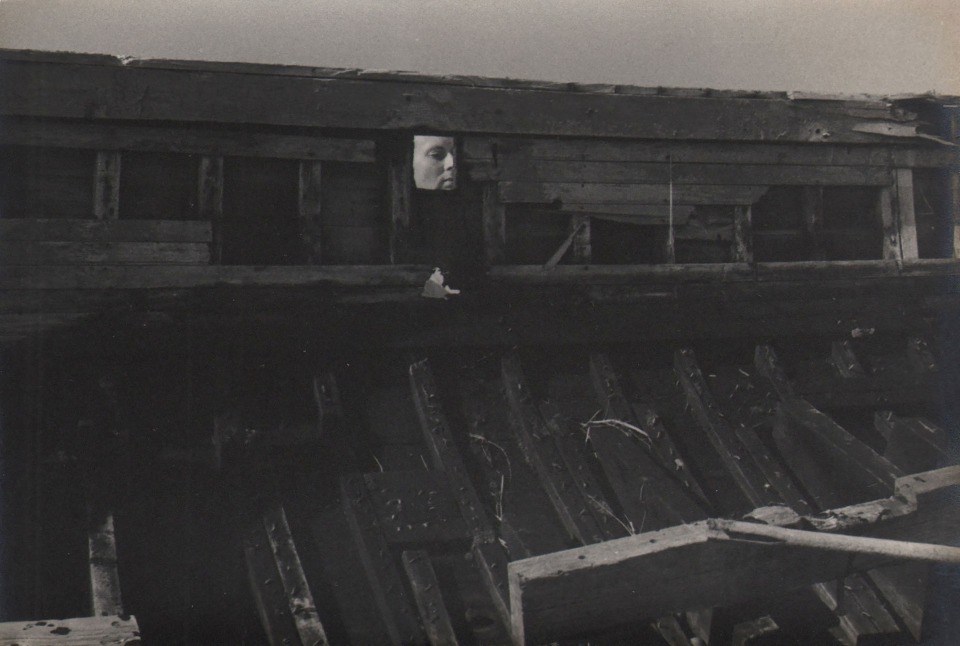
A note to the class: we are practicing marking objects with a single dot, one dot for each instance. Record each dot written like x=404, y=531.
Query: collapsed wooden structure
x=696, y=389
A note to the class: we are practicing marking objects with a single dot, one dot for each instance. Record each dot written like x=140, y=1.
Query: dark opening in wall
x=40, y=182
x=158, y=186
x=615, y=243
x=931, y=204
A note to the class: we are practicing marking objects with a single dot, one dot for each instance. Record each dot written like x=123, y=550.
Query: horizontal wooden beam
x=722, y=562
x=71, y=253
x=574, y=193
x=618, y=172
x=126, y=92
x=488, y=149
x=36, y=230
x=19, y=131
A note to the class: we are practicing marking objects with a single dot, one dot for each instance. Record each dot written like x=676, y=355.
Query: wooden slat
x=426, y=592
x=742, y=234
x=519, y=169
x=35, y=230
x=310, y=210
x=494, y=225
x=382, y=574
x=82, y=631
x=745, y=560
x=105, y=593
x=445, y=456
x=568, y=193
x=292, y=577
x=70, y=253
x=580, y=227
x=643, y=214
x=210, y=200
x=106, y=185
x=906, y=217
x=20, y=131
x=863, y=617
x=480, y=149
x=888, y=222
x=913, y=444
x=266, y=587
x=120, y=92
x=537, y=443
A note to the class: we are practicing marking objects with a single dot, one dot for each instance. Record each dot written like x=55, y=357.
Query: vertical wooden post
x=105, y=596
x=888, y=222
x=310, y=210
x=106, y=185
x=953, y=179
x=400, y=177
x=582, y=253
x=813, y=220
x=210, y=201
x=906, y=218
x=742, y=233
x=494, y=225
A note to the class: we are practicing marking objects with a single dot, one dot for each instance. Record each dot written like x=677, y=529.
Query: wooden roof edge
x=874, y=101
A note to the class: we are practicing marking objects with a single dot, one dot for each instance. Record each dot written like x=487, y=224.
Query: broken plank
x=536, y=440
x=426, y=593
x=82, y=631
x=571, y=193
x=381, y=572
x=35, y=230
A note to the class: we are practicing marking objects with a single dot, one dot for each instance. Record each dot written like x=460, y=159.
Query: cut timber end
x=719, y=562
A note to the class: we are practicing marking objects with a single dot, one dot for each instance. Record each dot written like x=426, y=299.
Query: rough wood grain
x=426, y=593
x=82, y=631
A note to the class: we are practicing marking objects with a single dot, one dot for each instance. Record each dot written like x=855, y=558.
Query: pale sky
x=836, y=46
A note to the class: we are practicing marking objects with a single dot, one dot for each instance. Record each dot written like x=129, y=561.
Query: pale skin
x=434, y=163
x=437, y=277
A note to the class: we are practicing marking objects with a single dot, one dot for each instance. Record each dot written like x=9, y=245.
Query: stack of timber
x=698, y=387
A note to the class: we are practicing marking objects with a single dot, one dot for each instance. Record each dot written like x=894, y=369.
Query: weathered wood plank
x=426, y=592
x=137, y=92
x=863, y=617
x=571, y=193
x=292, y=577
x=36, y=230
x=721, y=562
x=515, y=168
x=400, y=188
x=266, y=587
x=415, y=507
x=580, y=227
x=742, y=234
x=480, y=149
x=913, y=444
x=105, y=595
x=381, y=572
x=106, y=185
x=494, y=225
x=310, y=210
x=445, y=456
x=210, y=200
x=20, y=131
x=536, y=440
x=70, y=253
x=82, y=631
x=905, y=215
x=630, y=470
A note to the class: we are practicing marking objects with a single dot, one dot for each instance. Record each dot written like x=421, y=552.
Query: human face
x=434, y=165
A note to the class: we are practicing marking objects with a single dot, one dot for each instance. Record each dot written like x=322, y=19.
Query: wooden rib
x=266, y=587
x=515, y=168
x=572, y=193
x=494, y=225
x=636, y=479
x=426, y=593
x=310, y=210
x=210, y=200
x=382, y=574
x=19, y=131
x=106, y=185
x=545, y=458
x=34, y=230
x=913, y=444
x=292, y=577
x=479, y=148
x=445, y=456
x=415, y=506
x=733, y=454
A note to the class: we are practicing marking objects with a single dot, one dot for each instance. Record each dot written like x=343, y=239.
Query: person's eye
x=437, y=154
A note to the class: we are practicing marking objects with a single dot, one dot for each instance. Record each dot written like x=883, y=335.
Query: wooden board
x=706, y=563
x=69, y=253
x=60, y=89
x=571, y=193
x=83, y=631
x=36, y=230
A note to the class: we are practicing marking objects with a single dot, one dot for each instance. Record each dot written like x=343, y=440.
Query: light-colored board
x=906, y=216
x=82, y=631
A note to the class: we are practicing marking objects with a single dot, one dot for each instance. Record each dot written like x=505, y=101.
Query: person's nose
x=448, y=162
